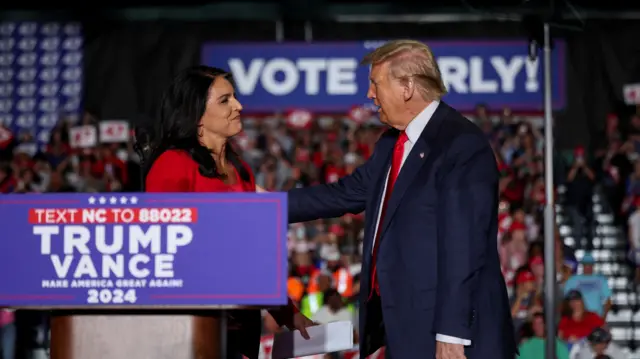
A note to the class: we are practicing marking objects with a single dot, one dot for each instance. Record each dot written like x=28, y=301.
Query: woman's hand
x=261, y=190
x=301, y=323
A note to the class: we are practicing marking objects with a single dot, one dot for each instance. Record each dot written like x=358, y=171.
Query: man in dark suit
x=431, y=282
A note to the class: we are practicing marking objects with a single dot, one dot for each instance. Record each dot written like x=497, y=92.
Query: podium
x=141, y=275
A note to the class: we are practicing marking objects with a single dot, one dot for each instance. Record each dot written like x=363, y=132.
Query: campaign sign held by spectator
x=100, y=250
x=328, y=77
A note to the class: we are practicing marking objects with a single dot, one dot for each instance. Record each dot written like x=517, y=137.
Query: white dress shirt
x=413, y=131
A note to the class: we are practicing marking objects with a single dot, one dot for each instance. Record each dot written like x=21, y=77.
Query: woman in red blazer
x=188, y=151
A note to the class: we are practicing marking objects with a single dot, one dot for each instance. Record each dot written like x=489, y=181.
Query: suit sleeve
x=347, y=195
x=169, y=173
x=467, y=200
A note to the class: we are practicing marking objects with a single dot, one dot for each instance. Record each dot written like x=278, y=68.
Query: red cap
x=525, y=277
x=578, y=151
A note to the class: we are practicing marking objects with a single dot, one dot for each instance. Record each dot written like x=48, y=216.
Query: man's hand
x=260, y=189
x=301, y=323
x=449, y=351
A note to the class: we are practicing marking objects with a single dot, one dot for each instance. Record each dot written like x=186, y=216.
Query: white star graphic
x=123, y=200
x=133, y=200
x=113, y=200
x=102, y=200
x=92, y=200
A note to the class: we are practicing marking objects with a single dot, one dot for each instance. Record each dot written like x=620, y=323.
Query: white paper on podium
x=327, y=338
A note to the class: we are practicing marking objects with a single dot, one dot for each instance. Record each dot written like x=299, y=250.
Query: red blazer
x=176, y=171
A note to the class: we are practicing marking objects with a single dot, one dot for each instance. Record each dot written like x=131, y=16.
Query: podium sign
x=140, y=250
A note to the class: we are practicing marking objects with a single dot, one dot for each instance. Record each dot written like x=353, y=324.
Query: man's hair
x=410, y=59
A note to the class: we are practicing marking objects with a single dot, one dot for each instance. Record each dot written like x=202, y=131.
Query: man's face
x=324, y=283
x=335, y=302
x=599, y=348
x=387, y=93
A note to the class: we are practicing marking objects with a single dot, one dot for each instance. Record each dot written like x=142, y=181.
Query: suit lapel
x=415, y=160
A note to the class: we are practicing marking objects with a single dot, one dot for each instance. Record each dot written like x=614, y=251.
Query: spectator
x=536, y=264
x=342, y=279
x=576, y=322
x=593, y=287
x=534, y=347
x=580, y=181
x=598, y=344
x=614, y=167
x=313, y=301
x=333, y=310
x=7, y=180
x=524, y=301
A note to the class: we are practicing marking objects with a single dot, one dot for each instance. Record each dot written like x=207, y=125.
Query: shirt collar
x=417, y=125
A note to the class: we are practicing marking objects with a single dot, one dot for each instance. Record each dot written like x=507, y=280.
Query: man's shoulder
x=460, y=131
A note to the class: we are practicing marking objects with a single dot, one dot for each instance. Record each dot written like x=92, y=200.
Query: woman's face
x=222, y=115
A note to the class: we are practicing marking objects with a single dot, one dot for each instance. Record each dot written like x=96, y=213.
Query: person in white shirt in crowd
x=333, y=310
x=594, y=287
x=598, y=343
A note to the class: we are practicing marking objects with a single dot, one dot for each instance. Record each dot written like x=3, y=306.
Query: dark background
x=133, y=48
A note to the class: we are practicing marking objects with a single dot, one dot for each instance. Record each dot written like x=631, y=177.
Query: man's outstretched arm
x=347, y=195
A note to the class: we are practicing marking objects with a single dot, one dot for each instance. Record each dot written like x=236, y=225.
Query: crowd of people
x=618, y=164
x=325, y=255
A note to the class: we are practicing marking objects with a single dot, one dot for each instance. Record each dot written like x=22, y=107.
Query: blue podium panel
x=143, y=250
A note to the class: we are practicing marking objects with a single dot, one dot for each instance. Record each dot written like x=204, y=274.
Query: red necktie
x=396, y=162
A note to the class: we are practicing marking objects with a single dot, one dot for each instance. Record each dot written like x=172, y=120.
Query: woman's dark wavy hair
x=183, y=105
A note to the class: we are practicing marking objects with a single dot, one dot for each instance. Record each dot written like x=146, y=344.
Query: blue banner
x=137, y=250
x=40, y=76
x=328, y=77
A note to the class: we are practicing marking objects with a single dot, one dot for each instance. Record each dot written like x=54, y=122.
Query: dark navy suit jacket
x=438, y=265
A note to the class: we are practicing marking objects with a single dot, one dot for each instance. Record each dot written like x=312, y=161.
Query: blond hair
x=410, y=59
